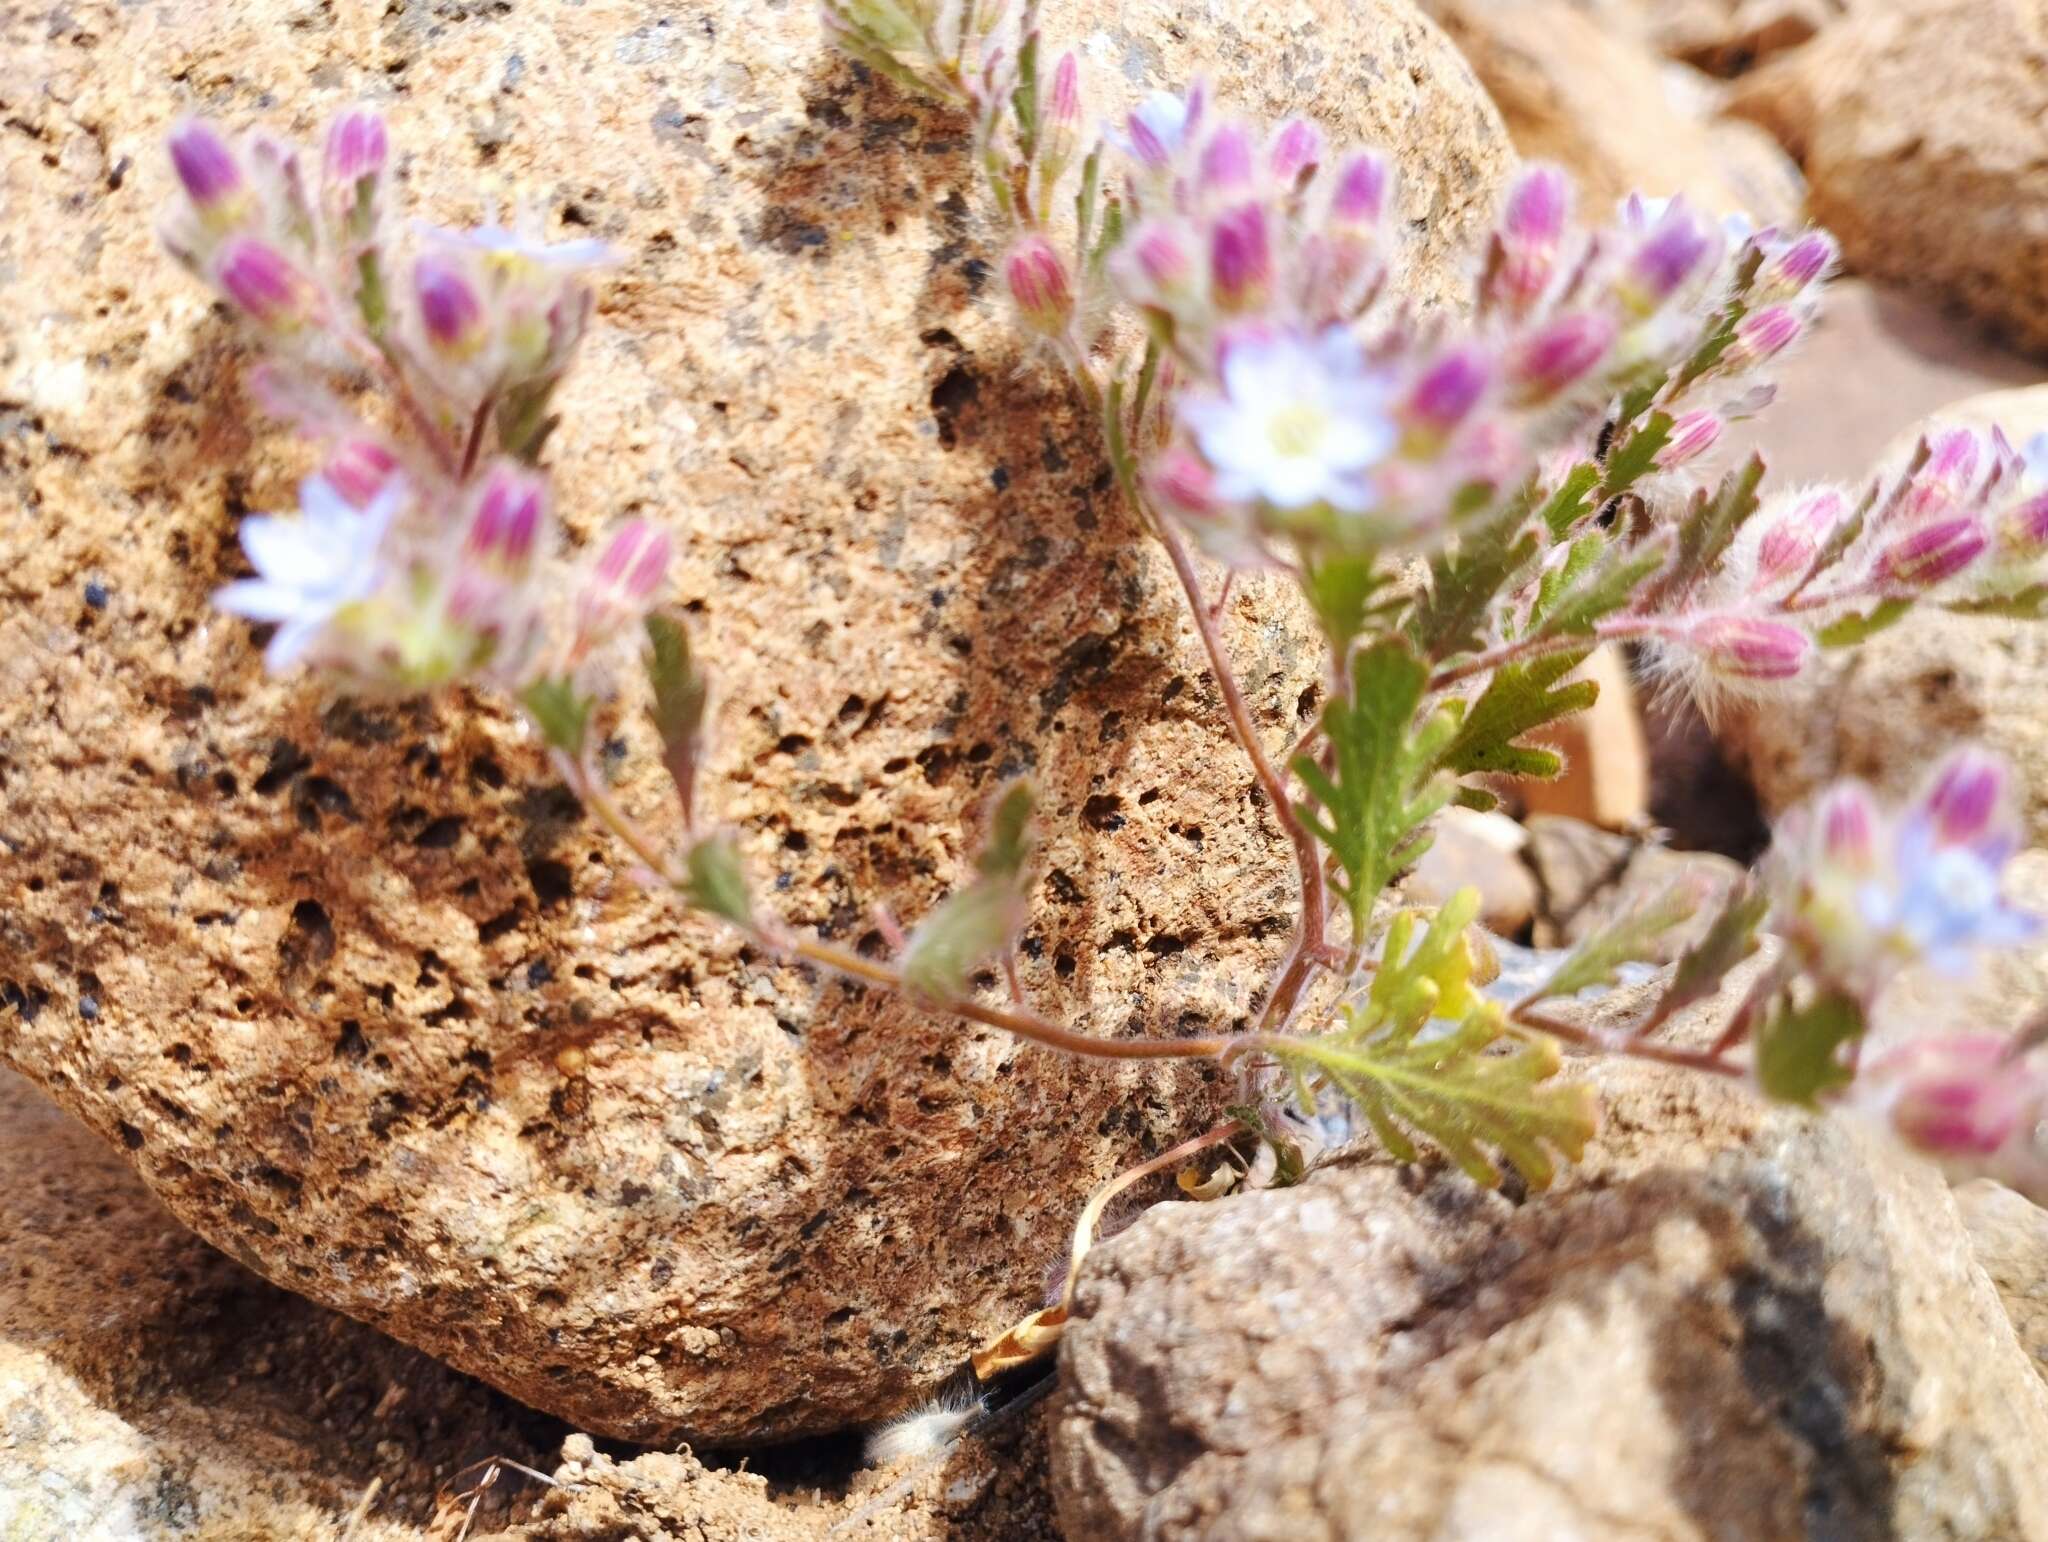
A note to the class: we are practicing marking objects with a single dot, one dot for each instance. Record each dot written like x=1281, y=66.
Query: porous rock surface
x=1923, y=128
x=151, y=1387
x=1732, y=1322
x=352, y=984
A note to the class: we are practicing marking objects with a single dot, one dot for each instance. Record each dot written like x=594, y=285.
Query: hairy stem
x=1535, y=648
x=1623, y=1044
x=872, y=972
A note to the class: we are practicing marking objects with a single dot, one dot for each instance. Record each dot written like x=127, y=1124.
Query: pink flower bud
x=1296, y=148
x=1064, y=109
x=510, y=513
x=1037, y=276
x=358, y=470
x=450, y=309
x=1361, y=195
x=1957, y=1097
x=1448, y=390
x=1538, y=207
x=1671, y=254
x=1226, y=163
x=1964, y=801
x=1156, y=128
x=205, y=165
x=1952, y=457
x=1161, y=259
x=357, y=146
x=2025, y=528
x=262, y=282
x=1240, y=257
x=1847, y=819
x=1184, y=481
x=1748, y=648
x=1933, y=553
x=1798, y=266
x=1561, y=352
x=1762, y=335
x=1789, y=546
x=622, y=583
x=1691, y=437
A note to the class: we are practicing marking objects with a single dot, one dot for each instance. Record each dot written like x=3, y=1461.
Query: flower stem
x=1710, y=1062
x=1534, y=648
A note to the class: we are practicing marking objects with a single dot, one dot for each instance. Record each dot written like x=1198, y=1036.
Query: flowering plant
x=1468, y=504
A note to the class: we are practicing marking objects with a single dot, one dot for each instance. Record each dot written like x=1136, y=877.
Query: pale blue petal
x=290, y=643
x=259, y=600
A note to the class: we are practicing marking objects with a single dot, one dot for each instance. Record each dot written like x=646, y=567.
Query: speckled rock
x=152, y=1388
x=353, y=985
x=1921, y=127
x=1622, y=119
x=1732, y=1323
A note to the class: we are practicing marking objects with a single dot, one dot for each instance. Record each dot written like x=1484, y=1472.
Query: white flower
x=1300, y=423
x=310, y=566
x=2035, y=456
x=522, y=248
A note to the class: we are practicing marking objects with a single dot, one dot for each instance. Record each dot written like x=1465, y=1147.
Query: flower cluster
x=427, y=553
x=1862, y=895
x=1976, y=1103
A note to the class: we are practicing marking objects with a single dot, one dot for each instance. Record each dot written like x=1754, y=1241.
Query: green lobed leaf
x=1572, y=501
x=1024, y=97
x=1635, y=456
x=1368, y=809
x=1712, y=523
x=1847, y=631
x=1340, y=590
x=1731, y=939
x=1798, y=1049
x=714, y=880
x=1615, y=577
x=561, y=710
x=1467, y=576
x=1632, y=937
x=1518, y=698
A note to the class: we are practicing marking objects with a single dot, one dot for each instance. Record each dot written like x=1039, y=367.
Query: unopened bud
x=1762, y=335
x=1789, y=546
x=358, y=470
x=1361, y=192
x=2024, y=529
x=262, y=282
x=450, y=310
x=1158, y=262
x=1847, y=819
x=1157, y=127
x=1240, y=257
x=1538, y=207
x=1965, y=799
x=1448, y=391
x=205, y=165
x=1749, y=648
x=357, y=146
x=1691, y=437
x=1297, y=148
x=622, y=584
x=1061, y=133
x=1561, y=352
x=1956, y=1098
x=1933, y=553
x=1037, y=276
x=1797, y=267
x=1670, y=255
x=1226, y=163
x=510, y=513
x=1184, y=481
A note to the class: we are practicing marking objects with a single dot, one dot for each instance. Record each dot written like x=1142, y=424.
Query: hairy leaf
x=1518, y=698
x=1711, y=524
x=1635, y=457
x=680, y=692
x=1730, y=940
x=1572, y=501
x=1798, y=1049
x=1632, y=937
x=1585, y=598
x=1466, y=577
x=1340, y=590
x=1369, y=808
x=983, y=919
x=561, y=710
x=714, y=881
x=1847, y=631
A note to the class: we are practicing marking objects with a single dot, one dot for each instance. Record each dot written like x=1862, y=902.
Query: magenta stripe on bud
x=1848, y=817
x=1798, y=266
x=1562, y=352
x=450, y=309
x=2026, y=527
x=1296, y=148
x=357, y=145
x=1959, y=1097
x=1789, y=546
x=358, y=470
x=1966, y=796
x=205, y=164
x=1538, y=207
x=1691, y=437
x=1361, y=195
x=1226, y=163
x=1240, y=256
x=262, y=281
x=1749, y=648
x=509, y=515
x=1932, y=553
x=1670, y=255
x=1064, y=110
x=1763, y=335
x=1038, y=282
x=1449, y=389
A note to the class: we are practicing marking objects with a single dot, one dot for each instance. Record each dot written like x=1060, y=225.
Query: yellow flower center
x=1296, y=429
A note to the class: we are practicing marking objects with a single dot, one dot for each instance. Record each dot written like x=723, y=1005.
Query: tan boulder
x=1732, y=1323
x=354, y=986
x=1921, y=128
x=1606, y=778
x=1605, y=106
